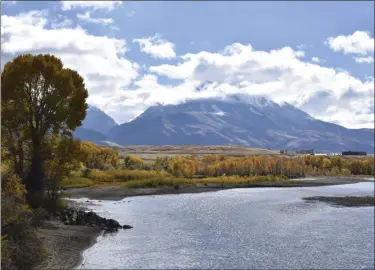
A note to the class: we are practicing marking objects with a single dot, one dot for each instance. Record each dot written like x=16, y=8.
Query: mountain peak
x=255, y=121
x=98, y=120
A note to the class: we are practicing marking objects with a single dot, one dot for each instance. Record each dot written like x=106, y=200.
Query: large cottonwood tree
x=38, y=97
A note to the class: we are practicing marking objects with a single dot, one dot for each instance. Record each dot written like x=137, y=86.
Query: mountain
x=239, y=120
x=98, y=120
x=86, y=134
x=95, y=127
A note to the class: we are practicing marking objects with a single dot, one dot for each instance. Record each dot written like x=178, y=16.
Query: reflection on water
x=238, y=228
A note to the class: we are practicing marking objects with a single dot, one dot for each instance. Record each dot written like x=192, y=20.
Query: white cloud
x=359, y=42
x=367, y=60
x=316, y=60
x=94, y=5
x=99, y=59
x=62, y=24
x=86, y=17
x=131, y=13
x=157, y=47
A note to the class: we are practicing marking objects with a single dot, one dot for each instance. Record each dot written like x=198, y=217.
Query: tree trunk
x=35, y=178
x=20, y=164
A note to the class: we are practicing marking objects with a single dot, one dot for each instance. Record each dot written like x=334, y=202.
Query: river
x=239, y=228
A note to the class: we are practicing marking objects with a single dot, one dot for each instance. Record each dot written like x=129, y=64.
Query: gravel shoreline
x=65, y=244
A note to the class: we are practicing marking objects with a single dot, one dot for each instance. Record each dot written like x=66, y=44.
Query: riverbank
x=65, y=244
x=69, y=232
x=117, y=192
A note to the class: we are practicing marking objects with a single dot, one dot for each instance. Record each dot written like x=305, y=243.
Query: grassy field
x=149, y=153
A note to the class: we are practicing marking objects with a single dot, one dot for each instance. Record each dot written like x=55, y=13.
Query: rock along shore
x=73, y=216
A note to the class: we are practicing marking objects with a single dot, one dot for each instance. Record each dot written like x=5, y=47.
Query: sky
x=317, y=56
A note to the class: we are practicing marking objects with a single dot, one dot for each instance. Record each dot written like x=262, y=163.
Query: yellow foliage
x=133, y=162
x=98, y=157
x=14, y=188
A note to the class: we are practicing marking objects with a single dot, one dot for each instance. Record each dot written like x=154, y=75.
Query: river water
x=240, y=228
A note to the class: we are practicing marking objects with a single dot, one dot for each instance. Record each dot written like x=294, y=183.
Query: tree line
x=218, y=165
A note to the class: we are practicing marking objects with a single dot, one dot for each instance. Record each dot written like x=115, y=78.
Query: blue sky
x=332, y=79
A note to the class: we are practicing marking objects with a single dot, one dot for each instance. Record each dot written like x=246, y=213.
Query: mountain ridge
x=252, y=121
x=98, y=120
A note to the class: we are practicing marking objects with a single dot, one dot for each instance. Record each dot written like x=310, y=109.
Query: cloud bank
x=123, y=90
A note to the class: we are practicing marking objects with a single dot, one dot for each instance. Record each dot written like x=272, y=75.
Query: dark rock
x=80, y=217
x=80, y=221
x=113, y=223
x=91, y=217
x=90, y=214
x=63, y=218
x=111, y=230
x=106, y=222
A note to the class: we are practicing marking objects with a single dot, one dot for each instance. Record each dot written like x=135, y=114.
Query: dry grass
x=123, y=175
x=177, y=182
x=76, y=182
x=149, y=153
x=110, y=177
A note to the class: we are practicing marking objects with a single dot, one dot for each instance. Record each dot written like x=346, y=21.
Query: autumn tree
x=99, y=157
x=64, y=155
x=133, y=162
x=38, y=97
x=161, y=163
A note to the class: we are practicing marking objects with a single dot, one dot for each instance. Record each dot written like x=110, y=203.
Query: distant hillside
x=98, y=120
x=239, y=120
x=95, y=127
x=86, y=134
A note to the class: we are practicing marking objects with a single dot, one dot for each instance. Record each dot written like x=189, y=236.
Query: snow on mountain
x=254, y=121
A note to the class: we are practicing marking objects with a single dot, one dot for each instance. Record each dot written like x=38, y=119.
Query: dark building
x=354, y=153
x=305, y=152
x=297, y=152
